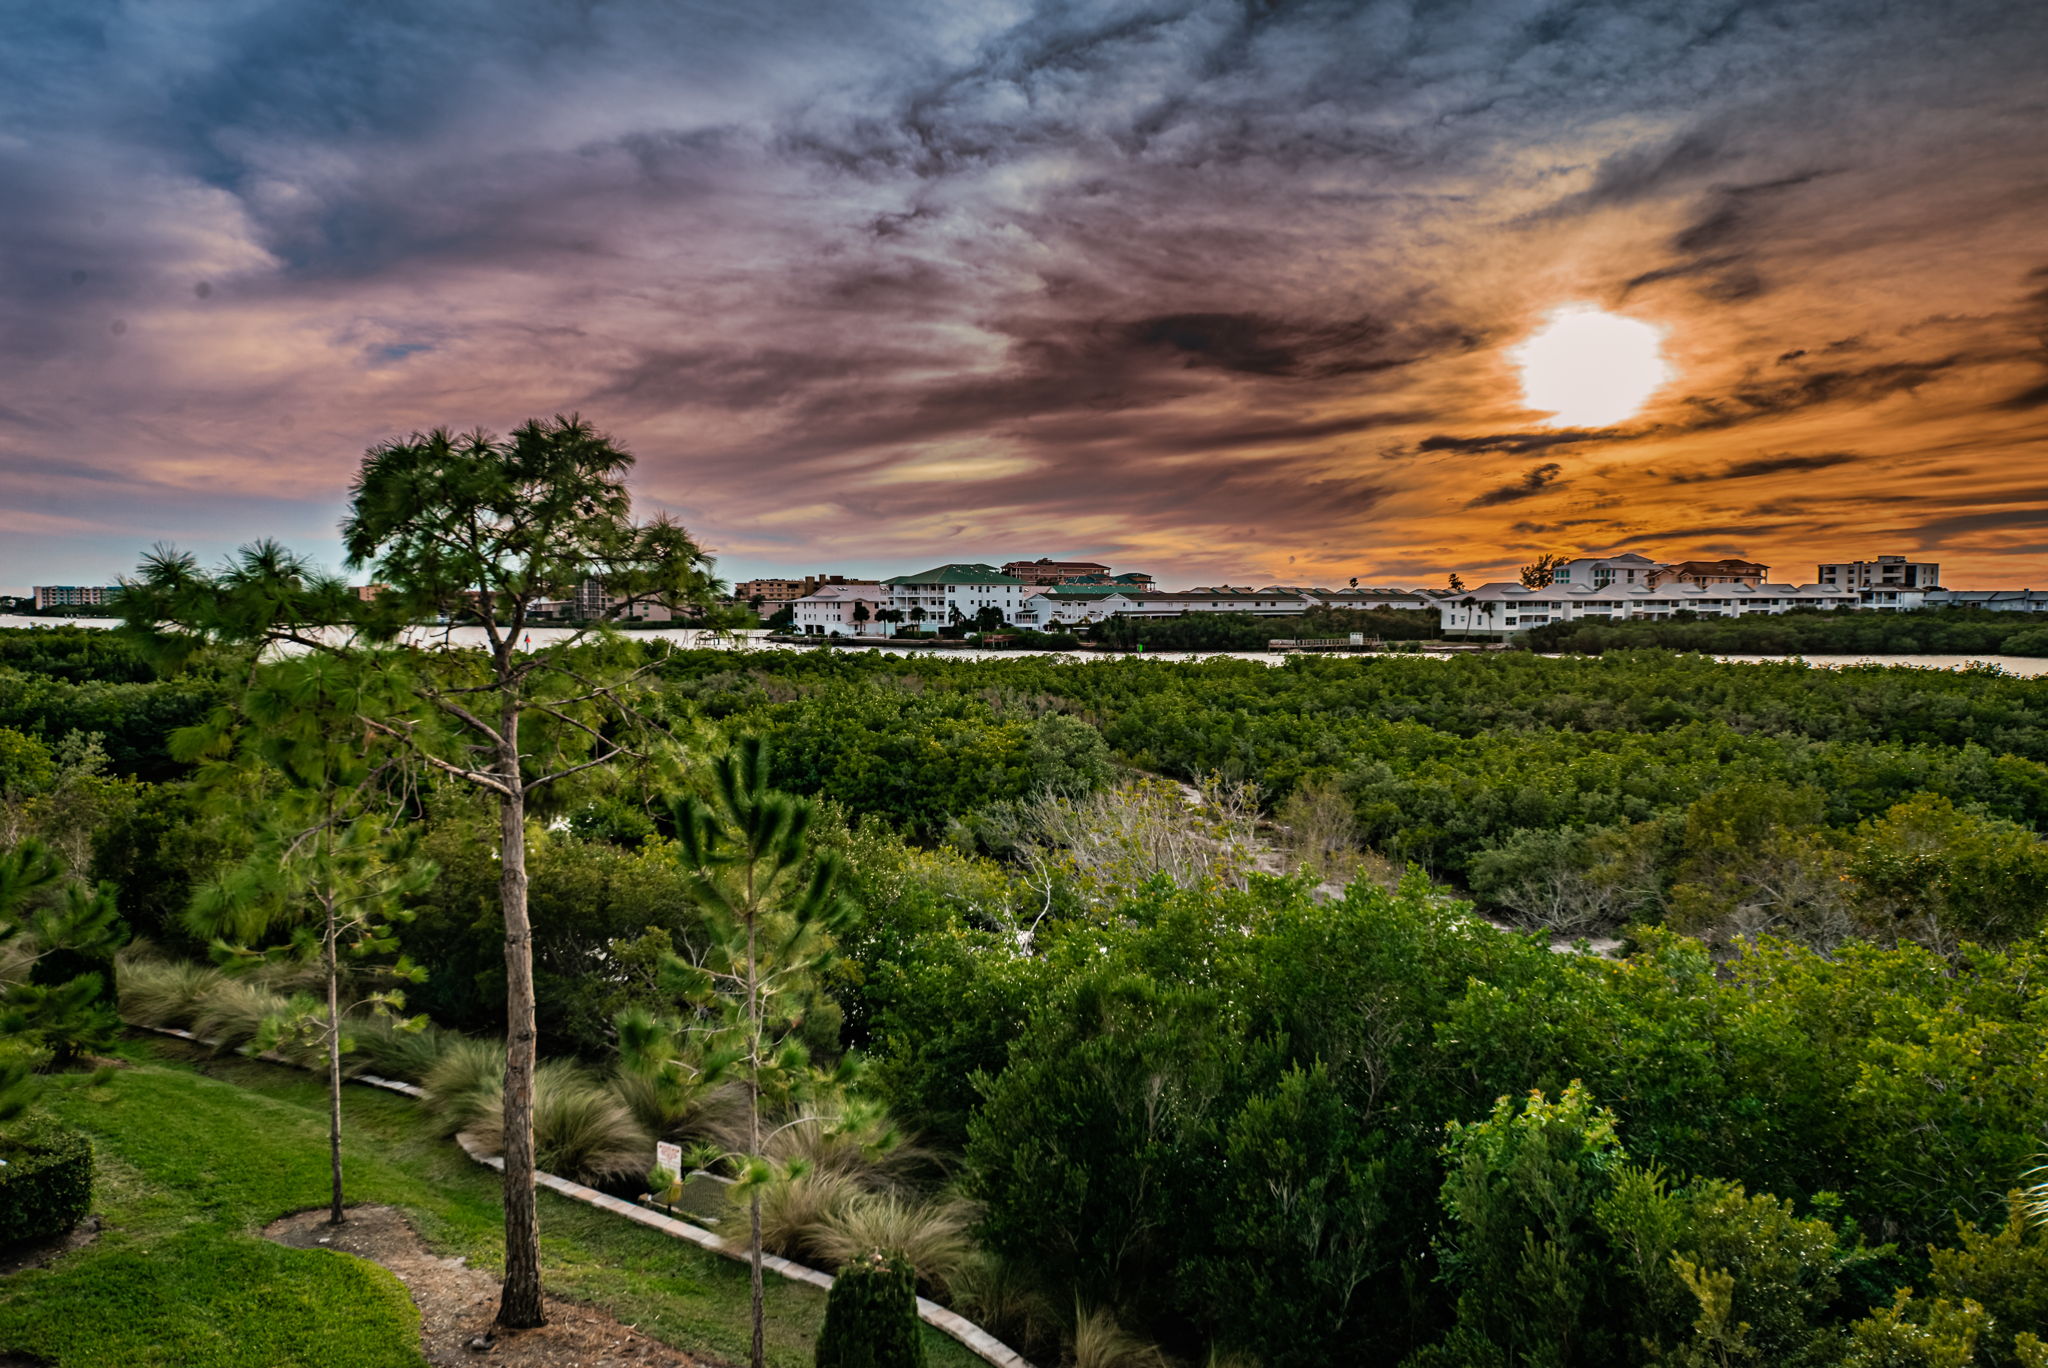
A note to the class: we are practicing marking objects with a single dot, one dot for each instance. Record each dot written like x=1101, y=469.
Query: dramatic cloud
x=1222, y=290
x=1531, y=484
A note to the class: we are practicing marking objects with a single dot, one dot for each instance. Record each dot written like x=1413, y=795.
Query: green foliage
x=2005, y=1272
x=1816, y=632
x=581, y=1129
x=1452, y=764
x=1248, y=632
x=45, y=1182
x=1522, y=1247
x=57, y=944
x=1942, y=874
x=871, y=1317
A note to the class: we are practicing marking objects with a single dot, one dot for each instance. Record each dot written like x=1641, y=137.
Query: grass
x=196, y=1157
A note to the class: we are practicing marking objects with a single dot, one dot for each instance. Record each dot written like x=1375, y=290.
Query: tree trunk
x=519, y=1305
x=754, y=1113
x=335, y=1216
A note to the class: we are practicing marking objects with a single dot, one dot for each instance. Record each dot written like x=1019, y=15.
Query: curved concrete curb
x=979, y=1341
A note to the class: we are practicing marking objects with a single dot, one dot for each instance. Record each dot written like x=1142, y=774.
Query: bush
x=871, y=1317
x=46, y=1182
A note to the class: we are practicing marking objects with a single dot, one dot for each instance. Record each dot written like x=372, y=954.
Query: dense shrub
x=871, y=1317
x=1938, y=631
x=45, y=1183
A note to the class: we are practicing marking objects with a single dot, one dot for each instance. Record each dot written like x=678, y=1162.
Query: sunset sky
x=1227, y=292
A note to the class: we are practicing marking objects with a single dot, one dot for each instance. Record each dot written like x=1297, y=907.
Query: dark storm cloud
x=1513, y=443
x=1766, y=465
x=1152, y=266
x=1534, y=482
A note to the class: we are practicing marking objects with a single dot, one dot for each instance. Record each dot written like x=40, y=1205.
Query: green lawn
x=196, y=1158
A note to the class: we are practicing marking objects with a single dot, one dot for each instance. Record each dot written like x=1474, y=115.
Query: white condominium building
x=956, y=593
x=1503, y=609
x=843, y=610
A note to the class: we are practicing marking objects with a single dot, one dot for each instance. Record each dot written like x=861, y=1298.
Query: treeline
x=1575, y=794
x=1245, y=632
x=1930, y=631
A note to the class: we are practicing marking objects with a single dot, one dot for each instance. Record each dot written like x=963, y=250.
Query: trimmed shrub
x=46, y=1182
x=871, y=1316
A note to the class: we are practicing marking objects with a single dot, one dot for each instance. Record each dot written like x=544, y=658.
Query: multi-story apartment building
x=1506, y=608
x=956, y=593
x=848, y=609
x=74, y=595
x=1711, y=572
x=768, y=594
x=1990, y=600
x=1368, y=598
x=1886, y=572
x=1224, y=599
x=1043, y=571
x=1597, y=572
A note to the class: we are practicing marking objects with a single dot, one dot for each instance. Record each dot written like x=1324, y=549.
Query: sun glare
x=1588, y=368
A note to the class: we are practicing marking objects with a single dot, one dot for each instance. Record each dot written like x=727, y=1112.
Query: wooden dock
x=1355, y=642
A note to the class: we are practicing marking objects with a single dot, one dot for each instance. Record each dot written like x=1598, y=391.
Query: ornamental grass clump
x=930, y=1235
x=163, y=992
x=1099, y=1342
x=796, y=1211
x=581, y=1129
x=467, y=1078
x=871, y=1316
x=385, y=1047
x=233, y=1013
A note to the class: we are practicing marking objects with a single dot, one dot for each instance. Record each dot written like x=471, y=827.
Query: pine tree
x=325, y=866
x=772, y=903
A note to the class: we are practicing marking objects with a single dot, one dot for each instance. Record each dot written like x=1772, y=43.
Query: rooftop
x=962, y=573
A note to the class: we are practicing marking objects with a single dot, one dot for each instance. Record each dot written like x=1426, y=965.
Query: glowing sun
x=1588, y=368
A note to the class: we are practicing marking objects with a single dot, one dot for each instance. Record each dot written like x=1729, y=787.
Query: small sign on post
x=669, y=1155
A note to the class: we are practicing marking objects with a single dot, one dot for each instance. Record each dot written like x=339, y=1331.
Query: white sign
x=669, y=1155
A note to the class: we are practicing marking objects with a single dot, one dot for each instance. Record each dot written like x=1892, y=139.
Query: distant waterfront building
x=1597, y=572
x=74, y=595
x=1886, y=572
x=1363, y=598
x=1043, y=571
x=1067, y=606
x=1711, y=572
x=771, y=594
x=1224, y=599
x=835, y=610
x=1990, y=600
x=955, y=593
x=1503, y=609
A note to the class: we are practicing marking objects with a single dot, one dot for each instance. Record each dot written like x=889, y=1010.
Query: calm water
x=694, y=638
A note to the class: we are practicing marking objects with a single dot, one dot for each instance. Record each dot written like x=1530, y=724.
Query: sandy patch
x=457, y=1302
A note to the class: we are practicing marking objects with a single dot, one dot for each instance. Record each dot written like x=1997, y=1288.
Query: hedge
x=871, y=1317
x=45, y=1181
